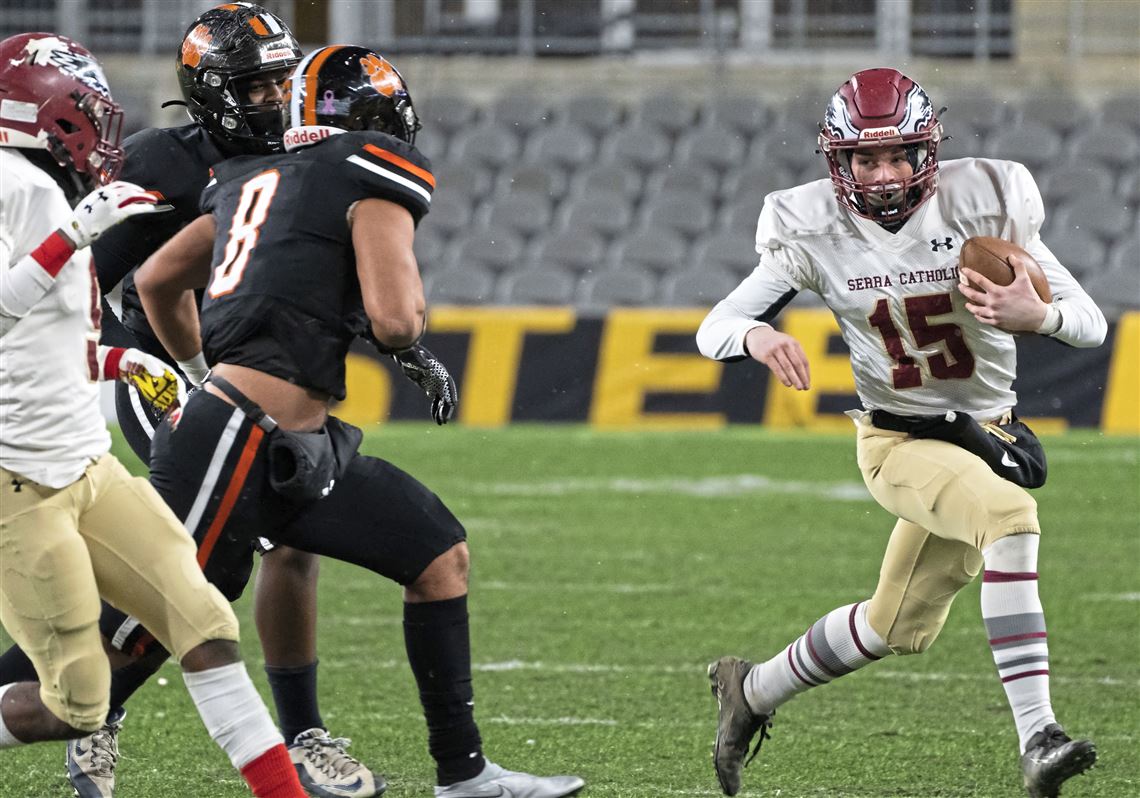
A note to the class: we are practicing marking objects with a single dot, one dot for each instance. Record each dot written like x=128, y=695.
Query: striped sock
x=837, y=644
x=1015, y=626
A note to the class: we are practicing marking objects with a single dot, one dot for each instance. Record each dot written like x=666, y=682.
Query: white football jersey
x=915, y=349
x=51, y=426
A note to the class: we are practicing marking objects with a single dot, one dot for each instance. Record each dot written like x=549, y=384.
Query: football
x=990, y=257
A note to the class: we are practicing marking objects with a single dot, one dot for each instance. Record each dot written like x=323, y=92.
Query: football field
x=609, y=568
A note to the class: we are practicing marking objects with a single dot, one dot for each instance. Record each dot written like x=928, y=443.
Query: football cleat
x=326, y=770
x=1051, y=758
x=91, y=759
x=737, y=724
x=497, y=782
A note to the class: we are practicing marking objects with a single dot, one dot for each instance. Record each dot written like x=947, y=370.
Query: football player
x=939, y=445
x=231, y=64
x=74, y=524
x=299, y=254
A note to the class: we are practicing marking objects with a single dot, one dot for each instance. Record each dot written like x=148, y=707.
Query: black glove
x=424, y=369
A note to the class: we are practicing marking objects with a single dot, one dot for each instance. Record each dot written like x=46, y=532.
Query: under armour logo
x=935, y=244
x=103, y=196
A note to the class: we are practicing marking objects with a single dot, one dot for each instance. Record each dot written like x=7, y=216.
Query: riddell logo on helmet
x=879, y=133
x=307, y=134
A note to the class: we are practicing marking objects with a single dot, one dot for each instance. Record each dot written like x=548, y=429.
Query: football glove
x=425, y=370
x=156, y=382
x=105, y=207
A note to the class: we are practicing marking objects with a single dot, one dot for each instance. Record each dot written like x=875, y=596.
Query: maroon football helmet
x=54, y=97
x=881, y=108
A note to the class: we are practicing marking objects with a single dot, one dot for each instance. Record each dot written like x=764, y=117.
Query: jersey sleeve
x=1024, y=209
x=778, y=253
x=384, y=167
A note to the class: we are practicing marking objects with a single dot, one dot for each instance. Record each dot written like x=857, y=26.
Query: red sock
x=271, y=775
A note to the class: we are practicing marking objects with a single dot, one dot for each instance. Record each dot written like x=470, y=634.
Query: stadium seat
x=712, y=147
x=606, y=214
x=981, y=112
x=520, y=113
x=696, y=287
x=668, y=112
x=789, y=148
x=962, y=140
x=1030, y=143
x=1101, y=215
x=1122, y=109
x=756, y=180
x=744, y=114
x=448, y=114
x=1125, y=253
x=541, y=285
x=642, y=146
x=568, y=146
x=657, y=249
x=678, y=178
x=812, y=171
x=743, y=214
x=733, y=251
x=1059, y=111
x=617, y=287
x=1115, y=145
x=1116, y=290
x=450, y=213
x=495, y=248
x=1079, y=252
x=577, y=249
x=689, y=214
x=608, y=178
x=526, y=212
x=536, y=178
x=1128, y=189
x=430, y=249
x=493, y=146
x=1074, y=178
x=594, y=112
x=469, y=179
x=466, y=284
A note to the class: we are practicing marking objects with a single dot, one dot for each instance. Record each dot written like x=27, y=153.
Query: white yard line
x=707, y=487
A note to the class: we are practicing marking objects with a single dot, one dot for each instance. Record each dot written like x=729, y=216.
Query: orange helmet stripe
x=258, y=26
x=406, y=165
x=310, y=84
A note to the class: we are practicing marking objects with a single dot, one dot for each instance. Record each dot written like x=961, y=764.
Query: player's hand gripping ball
x=990, y=256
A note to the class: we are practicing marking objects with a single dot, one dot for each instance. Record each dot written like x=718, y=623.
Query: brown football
x=990, y=257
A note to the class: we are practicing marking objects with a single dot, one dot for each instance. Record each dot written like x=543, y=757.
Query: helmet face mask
x=54, y=97
x=346, y=88
x=879, y=108
x=224, y=51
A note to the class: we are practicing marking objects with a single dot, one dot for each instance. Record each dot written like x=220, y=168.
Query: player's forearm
x=27, y=282
x=722, y=333
x=1082, y=322
x=173, y=315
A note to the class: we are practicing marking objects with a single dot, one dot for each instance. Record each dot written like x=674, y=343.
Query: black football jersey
x=176, y=163
x=283, y=295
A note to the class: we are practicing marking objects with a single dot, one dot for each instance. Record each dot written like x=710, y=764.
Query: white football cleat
x=91, y=760
x=496, y=782
x=326, y=770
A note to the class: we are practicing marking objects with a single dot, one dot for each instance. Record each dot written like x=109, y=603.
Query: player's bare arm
x=390, y=284
x=166, y=284
x=1015, y=307
x=782, y=354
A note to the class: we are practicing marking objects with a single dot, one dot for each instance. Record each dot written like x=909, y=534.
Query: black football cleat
x=1051, y=758
x=737, y=724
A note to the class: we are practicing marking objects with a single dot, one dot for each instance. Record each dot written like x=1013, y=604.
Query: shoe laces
x=105, y=750
x=328, y=755
x=764, y=722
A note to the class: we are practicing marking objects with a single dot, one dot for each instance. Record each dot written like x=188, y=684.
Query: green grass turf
x=609, y=568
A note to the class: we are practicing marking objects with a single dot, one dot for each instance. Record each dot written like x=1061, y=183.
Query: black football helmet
x=222, y=53
x=344, y=87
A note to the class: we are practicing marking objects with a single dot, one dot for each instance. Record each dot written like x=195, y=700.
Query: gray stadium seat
x=654, y=249
x=495, y=248
x=1101, y=215
x=748, y=115
x=1079, y=252
x=1030, y=143
x=1122, y=109
x=981, y=111
x=493, y=147
x=964, y=141
x=668, y=112
x=469, y=179
x=542, y=285
x=741, y=216
x=520, y=113
x=788, y=147
x=594, y=112
x=1060, y=111
x=449, y=114
x=1070, y=179
x=689, y=214
x=1115, y=290
x=812, y=171
x=1128, y=189
x=430, y=249
x=450, y=213
x=715, y=147
x=617, y=287
x=733, y=251
x=526, y=212
x=465, y=284
x=606, y=214
x=641, y=145
x=801, y=111
x=433, y=144
x=579, y=249
x=1125, y=253
x=756, y=180
x=568, y=146
x=697, y=287
x=609, y=178
x=1115, y=145
x=679, y=178
x=535, y=178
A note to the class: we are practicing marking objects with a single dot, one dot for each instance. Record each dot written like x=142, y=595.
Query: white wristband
x=1052, y=322
x=195, y=368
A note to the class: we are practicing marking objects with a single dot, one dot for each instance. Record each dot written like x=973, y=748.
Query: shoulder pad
x=167, y=161
x=385, y=167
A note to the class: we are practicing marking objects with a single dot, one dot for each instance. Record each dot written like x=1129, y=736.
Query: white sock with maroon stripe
x=1015, y=626
x=837, y=644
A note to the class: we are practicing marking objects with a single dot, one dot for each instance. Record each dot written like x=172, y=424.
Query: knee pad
x=78, y=692
x=1010, y=511
x=908, y=611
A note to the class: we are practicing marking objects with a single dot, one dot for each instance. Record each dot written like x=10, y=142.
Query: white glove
x=105, y=207
x=155, y=381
